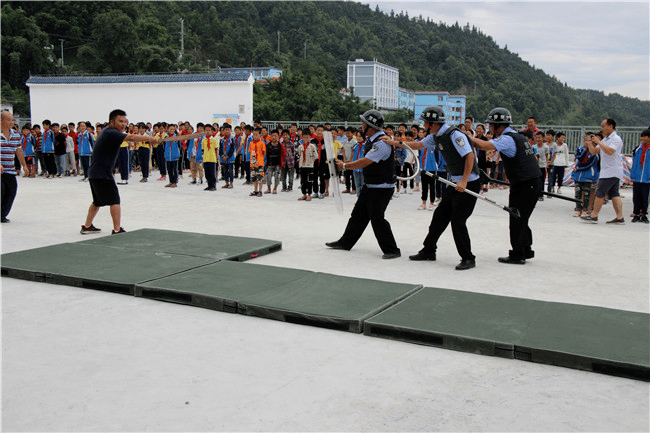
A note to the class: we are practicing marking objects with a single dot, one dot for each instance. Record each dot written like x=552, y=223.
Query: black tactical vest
x=382, y=171
x=455, y=162
x=523, y=166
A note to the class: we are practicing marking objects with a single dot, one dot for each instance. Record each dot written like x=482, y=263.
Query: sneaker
x=577, y=213
x=417, y=188
x=616, y=221
x=431, y=206
x=121, y=230
x=124, y=182
x=590, y=219
x=636, y=219
x=321, y=196
x=162, y=178
x=644, y=219
x=89, y=230
x=403, y=191
x=144, y=179
x=259, y=193
x=423, y=206
x=396, y=195
x=193, y=182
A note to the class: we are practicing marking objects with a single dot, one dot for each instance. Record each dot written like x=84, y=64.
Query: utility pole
x=62, y=51
x=305, y=56
x=278, y=41
x=182, y=36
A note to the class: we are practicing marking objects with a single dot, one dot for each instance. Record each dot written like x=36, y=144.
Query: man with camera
x=611, y=171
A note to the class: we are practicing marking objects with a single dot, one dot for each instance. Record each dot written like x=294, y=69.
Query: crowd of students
x=275, y=158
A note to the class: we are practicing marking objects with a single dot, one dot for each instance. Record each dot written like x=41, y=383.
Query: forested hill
x=144, y=37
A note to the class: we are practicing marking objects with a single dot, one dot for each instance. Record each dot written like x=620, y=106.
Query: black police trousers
x=523, y=196
x=455, y=208
x=370, y=208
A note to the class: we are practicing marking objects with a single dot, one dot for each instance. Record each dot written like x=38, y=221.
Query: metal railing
x=631, y=135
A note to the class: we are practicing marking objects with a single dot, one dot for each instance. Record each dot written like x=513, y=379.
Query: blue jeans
x=59, y=160
x=358, y=181
x=227, y=171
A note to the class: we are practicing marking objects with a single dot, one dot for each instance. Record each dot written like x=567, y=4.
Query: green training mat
x=290, y=295
x=589, y=338
x=95, y=267
x=216, y=247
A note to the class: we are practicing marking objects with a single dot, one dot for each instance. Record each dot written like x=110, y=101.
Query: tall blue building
x=406, y=99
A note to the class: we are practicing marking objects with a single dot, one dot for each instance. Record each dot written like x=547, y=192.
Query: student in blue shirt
x=172, y=154
x=640, y=175
x=48, y=149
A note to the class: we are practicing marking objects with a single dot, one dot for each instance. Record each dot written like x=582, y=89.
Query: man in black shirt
x=59, y=149
x=100, y=173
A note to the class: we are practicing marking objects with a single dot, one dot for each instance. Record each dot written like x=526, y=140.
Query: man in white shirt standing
x=611, y=171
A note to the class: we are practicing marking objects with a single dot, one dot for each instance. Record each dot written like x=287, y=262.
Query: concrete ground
x=83, y=360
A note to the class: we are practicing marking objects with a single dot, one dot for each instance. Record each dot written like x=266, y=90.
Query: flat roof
x=120, y=79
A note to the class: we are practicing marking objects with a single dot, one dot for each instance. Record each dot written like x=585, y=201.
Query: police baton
x=485, y=178
x=513, y=211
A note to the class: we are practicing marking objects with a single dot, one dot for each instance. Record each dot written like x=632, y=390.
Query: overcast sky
x=596, y=45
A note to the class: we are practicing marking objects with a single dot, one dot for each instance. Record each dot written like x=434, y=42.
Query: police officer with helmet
x=455, y=206
x=379, y=176
x=523, y=172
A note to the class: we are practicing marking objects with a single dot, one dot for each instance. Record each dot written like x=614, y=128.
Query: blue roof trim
x=120, y=79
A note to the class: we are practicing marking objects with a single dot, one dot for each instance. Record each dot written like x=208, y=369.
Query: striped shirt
x=8, y=150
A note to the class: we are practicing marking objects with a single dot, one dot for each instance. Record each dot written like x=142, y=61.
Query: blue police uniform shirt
x=380, y=151
x=461, y=144
x=505, y=144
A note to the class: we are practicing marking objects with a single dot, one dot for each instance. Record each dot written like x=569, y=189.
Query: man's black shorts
x=104, y=192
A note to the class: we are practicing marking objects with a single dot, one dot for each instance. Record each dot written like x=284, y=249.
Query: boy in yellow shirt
x=210, y=147
x=144, y=153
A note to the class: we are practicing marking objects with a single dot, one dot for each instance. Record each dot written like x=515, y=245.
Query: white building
x=374, y=81
x=147, y=98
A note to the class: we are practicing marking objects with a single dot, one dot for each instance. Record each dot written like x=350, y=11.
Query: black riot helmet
x=433, y=114
x=499, y=116
x=373, y=119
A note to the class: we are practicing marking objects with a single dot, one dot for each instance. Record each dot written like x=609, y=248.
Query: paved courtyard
x=84, y=360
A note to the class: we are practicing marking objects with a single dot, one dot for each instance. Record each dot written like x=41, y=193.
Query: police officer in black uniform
x=455, y=206
x=379, y=176
x=523, y=172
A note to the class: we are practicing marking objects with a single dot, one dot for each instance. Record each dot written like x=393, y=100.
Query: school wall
x=146, y=102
